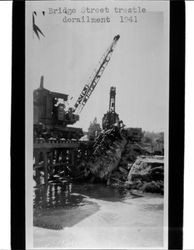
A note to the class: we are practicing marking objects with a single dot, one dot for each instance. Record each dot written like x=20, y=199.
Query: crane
x=112, y=99
x=111, y=118
x=95, y=77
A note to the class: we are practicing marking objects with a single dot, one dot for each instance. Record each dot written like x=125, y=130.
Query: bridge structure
x=56, y=160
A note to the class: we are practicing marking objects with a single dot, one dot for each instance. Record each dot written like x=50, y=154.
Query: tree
x=94, y=129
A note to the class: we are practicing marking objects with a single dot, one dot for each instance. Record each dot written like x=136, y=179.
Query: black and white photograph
x=97, y=124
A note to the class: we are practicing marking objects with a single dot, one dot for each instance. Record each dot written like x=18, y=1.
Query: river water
x=96, y=216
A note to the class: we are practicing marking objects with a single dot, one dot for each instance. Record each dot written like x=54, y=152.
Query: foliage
x=151, y=137
x=94, y=129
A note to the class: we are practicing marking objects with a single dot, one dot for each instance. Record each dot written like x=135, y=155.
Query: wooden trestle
x=54, y=157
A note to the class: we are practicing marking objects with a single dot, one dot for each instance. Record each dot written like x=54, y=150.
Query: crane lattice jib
x=89, y=88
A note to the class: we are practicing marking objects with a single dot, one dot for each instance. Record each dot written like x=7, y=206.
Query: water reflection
x=63, y=205
x=56, y=196
x=103, y=192
x=72, y=195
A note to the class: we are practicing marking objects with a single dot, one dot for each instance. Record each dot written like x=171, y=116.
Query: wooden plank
x=55, y=145
x=45, y=168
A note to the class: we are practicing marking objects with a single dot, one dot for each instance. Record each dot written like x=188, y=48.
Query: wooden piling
x=45, y=168
x=37, y=170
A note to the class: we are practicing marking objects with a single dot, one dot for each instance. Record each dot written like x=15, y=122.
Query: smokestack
x=42, y=82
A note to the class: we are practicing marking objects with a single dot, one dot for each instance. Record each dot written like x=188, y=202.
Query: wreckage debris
x=117, y=161
x=147, y=174
x=120, y=162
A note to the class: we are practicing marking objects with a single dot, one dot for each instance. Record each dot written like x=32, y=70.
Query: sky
x=139, y=66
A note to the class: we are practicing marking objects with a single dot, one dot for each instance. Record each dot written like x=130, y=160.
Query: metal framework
x=89, y=87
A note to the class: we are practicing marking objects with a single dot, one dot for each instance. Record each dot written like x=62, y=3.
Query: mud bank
x=103, y=220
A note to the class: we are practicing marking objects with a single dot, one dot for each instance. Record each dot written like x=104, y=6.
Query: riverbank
x=104, y=221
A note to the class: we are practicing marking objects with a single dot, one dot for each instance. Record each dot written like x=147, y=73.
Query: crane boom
x=89, y=88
